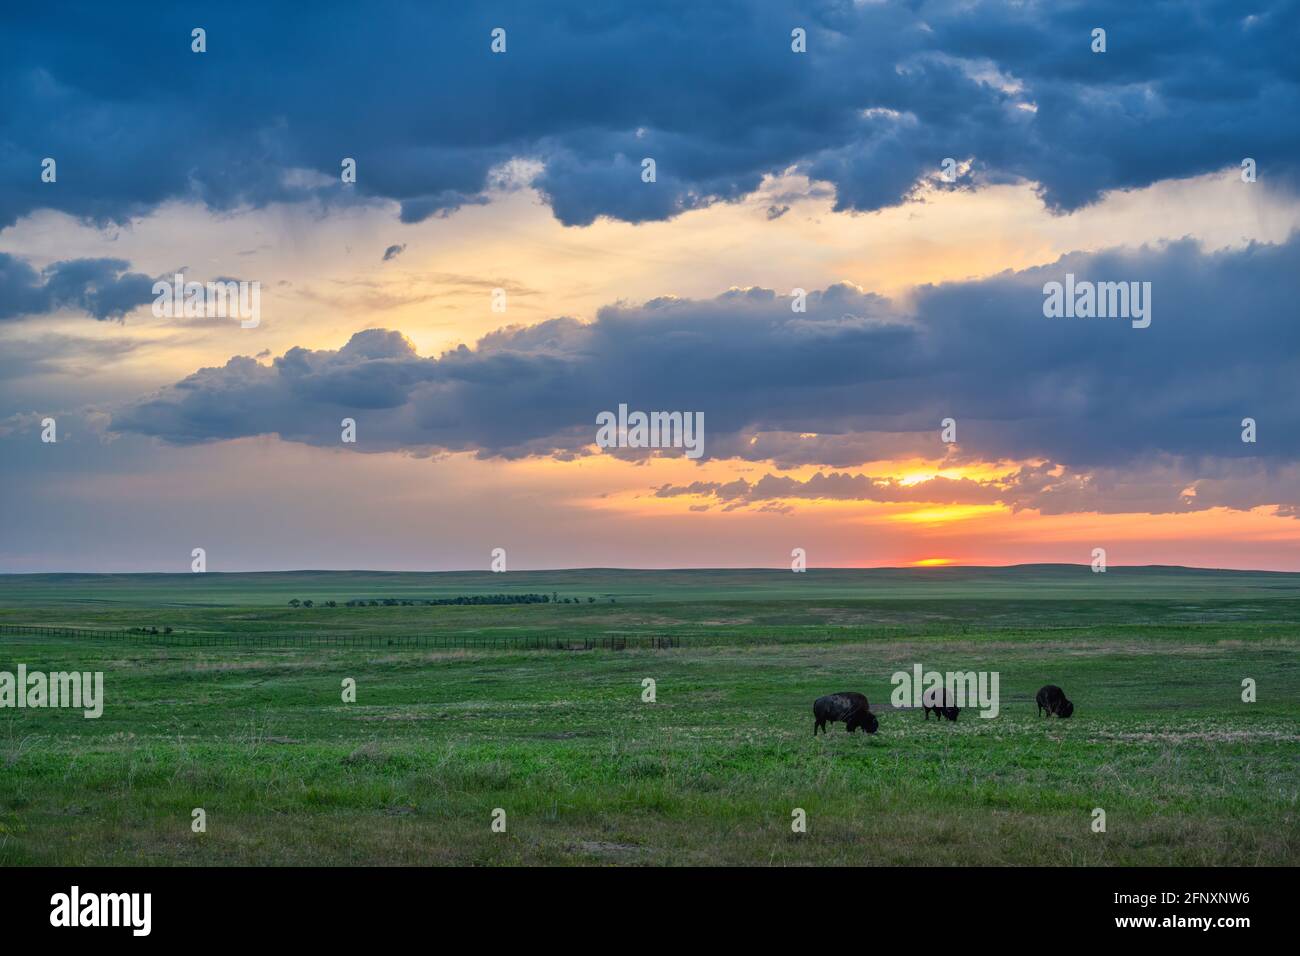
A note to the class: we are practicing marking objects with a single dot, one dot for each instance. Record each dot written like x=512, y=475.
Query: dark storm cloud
x=853, y=379
x=711, y=91
x=101, y=287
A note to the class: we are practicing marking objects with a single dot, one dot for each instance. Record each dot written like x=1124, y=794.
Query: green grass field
x=287, y=773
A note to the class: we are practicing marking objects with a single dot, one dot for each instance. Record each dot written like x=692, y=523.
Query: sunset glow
x=824, y=319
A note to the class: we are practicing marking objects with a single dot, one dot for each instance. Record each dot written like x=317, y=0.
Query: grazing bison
x=850, y=707
x=1053, y=700
x=938, y=702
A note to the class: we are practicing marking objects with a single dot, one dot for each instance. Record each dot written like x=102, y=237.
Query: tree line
x=553, y=598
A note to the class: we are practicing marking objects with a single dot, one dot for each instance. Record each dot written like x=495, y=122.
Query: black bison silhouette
x=1053, y=700
x=939, y=703
x=850, y=707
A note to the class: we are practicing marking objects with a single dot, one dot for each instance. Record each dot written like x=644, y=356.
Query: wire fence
x=446, y=642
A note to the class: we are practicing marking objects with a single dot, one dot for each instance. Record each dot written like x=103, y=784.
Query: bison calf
x=1053, y=700
x=847, y=706
x=938, y=702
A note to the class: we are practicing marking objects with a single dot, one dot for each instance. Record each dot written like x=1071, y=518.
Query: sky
x=845, y=243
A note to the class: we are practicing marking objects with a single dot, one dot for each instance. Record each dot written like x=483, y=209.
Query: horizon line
x=786, y=570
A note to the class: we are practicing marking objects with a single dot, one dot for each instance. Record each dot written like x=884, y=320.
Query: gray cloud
x=884, y=93
x=102, y=288
x=46, y=354
x=1162, y=486
x=853, y=379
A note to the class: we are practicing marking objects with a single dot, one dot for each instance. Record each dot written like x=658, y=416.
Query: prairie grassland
x=588, y=773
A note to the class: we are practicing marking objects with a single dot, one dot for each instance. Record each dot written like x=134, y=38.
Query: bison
x=1053, y=700
x=850, y=707
x=938, y=702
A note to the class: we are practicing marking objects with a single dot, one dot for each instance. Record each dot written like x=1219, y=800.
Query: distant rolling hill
x=1020, y=582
